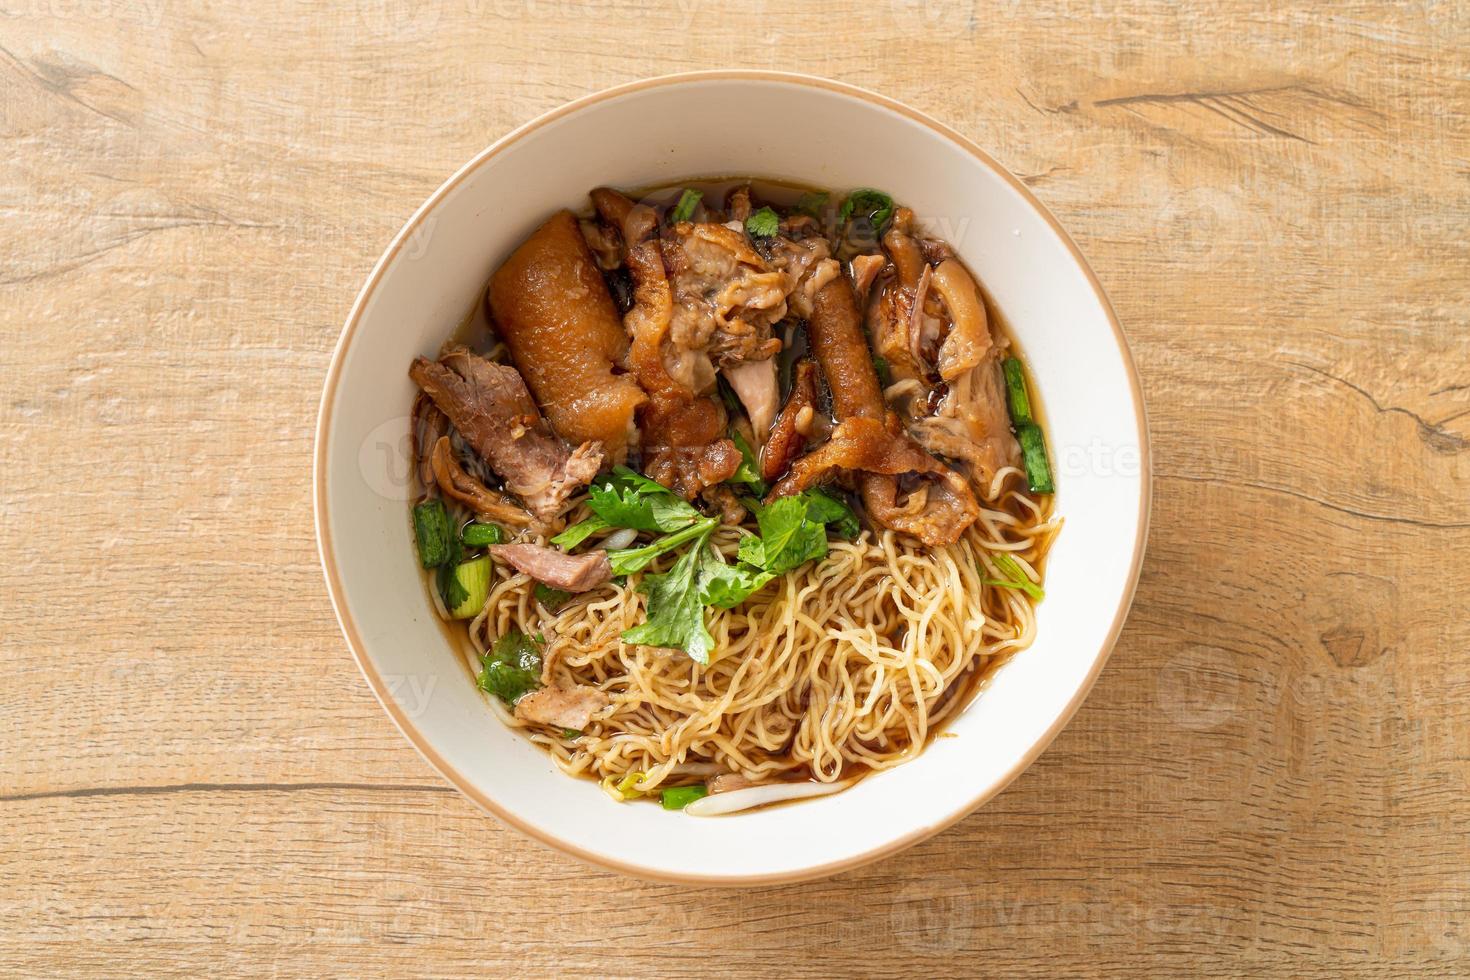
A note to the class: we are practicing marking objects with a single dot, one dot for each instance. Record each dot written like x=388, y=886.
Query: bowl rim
x=406, y=726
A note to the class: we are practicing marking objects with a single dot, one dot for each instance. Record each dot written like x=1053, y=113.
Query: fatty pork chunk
x=550, y=305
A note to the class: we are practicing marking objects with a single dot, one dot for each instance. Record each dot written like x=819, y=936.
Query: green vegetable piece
x=865, y=202
x=1033, y=451
x=431, y=530
x=812, y=203
x=787, y=538
x=626, y=561
x=451, y=591
x=473, y=579
x=479, y=535
x=675, y=612
x=749, y=471
x=727, y=586
x=628, y=499
x=1015, y=577
x=678, y=797
x=763, y=223
x=1016, y=398
x=570, y=733
x=826, y=508
x=684, y=210
x=552, y=599
x=577, y=533
x=512, y=668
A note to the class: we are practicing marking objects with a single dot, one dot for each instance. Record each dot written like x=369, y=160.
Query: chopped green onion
x=678, y=797
x=884, y=372
x=1016, y=397
x=627, y=787
x=688, y=201
x=473, y=577
x=431, y=529
x=1016, y=577
x=1033, y=450
x=570, y=733
x=479, y=535
x=763, y=223
x=552, y=599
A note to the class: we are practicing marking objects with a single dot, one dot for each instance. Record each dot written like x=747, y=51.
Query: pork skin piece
x=552, y=308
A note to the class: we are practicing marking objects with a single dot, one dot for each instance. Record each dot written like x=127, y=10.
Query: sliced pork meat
x=488, y=504
x=562, y=707
x=490, y=406
x=794, y=424
x=552, y=308
x=571, y=573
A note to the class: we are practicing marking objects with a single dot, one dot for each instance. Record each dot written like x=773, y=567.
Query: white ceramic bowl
x=710, y=124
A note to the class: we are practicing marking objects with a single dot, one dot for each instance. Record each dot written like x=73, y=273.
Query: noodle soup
x=733, y=491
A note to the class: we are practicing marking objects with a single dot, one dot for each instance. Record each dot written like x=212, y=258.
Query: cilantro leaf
x=575, y=534
x=628, y=499
x=684, y=210
x=675, y=610
x=787, y=538
x=752, y=551
x=763, y=223
x=826, y=508
x=512, y=668
x=727, y=586
x=870, y=205
x=1015, y=577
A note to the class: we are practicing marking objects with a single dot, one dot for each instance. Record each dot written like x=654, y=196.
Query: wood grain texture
x=1271, y=775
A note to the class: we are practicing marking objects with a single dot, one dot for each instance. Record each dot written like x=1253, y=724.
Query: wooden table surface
x=1271, y=774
